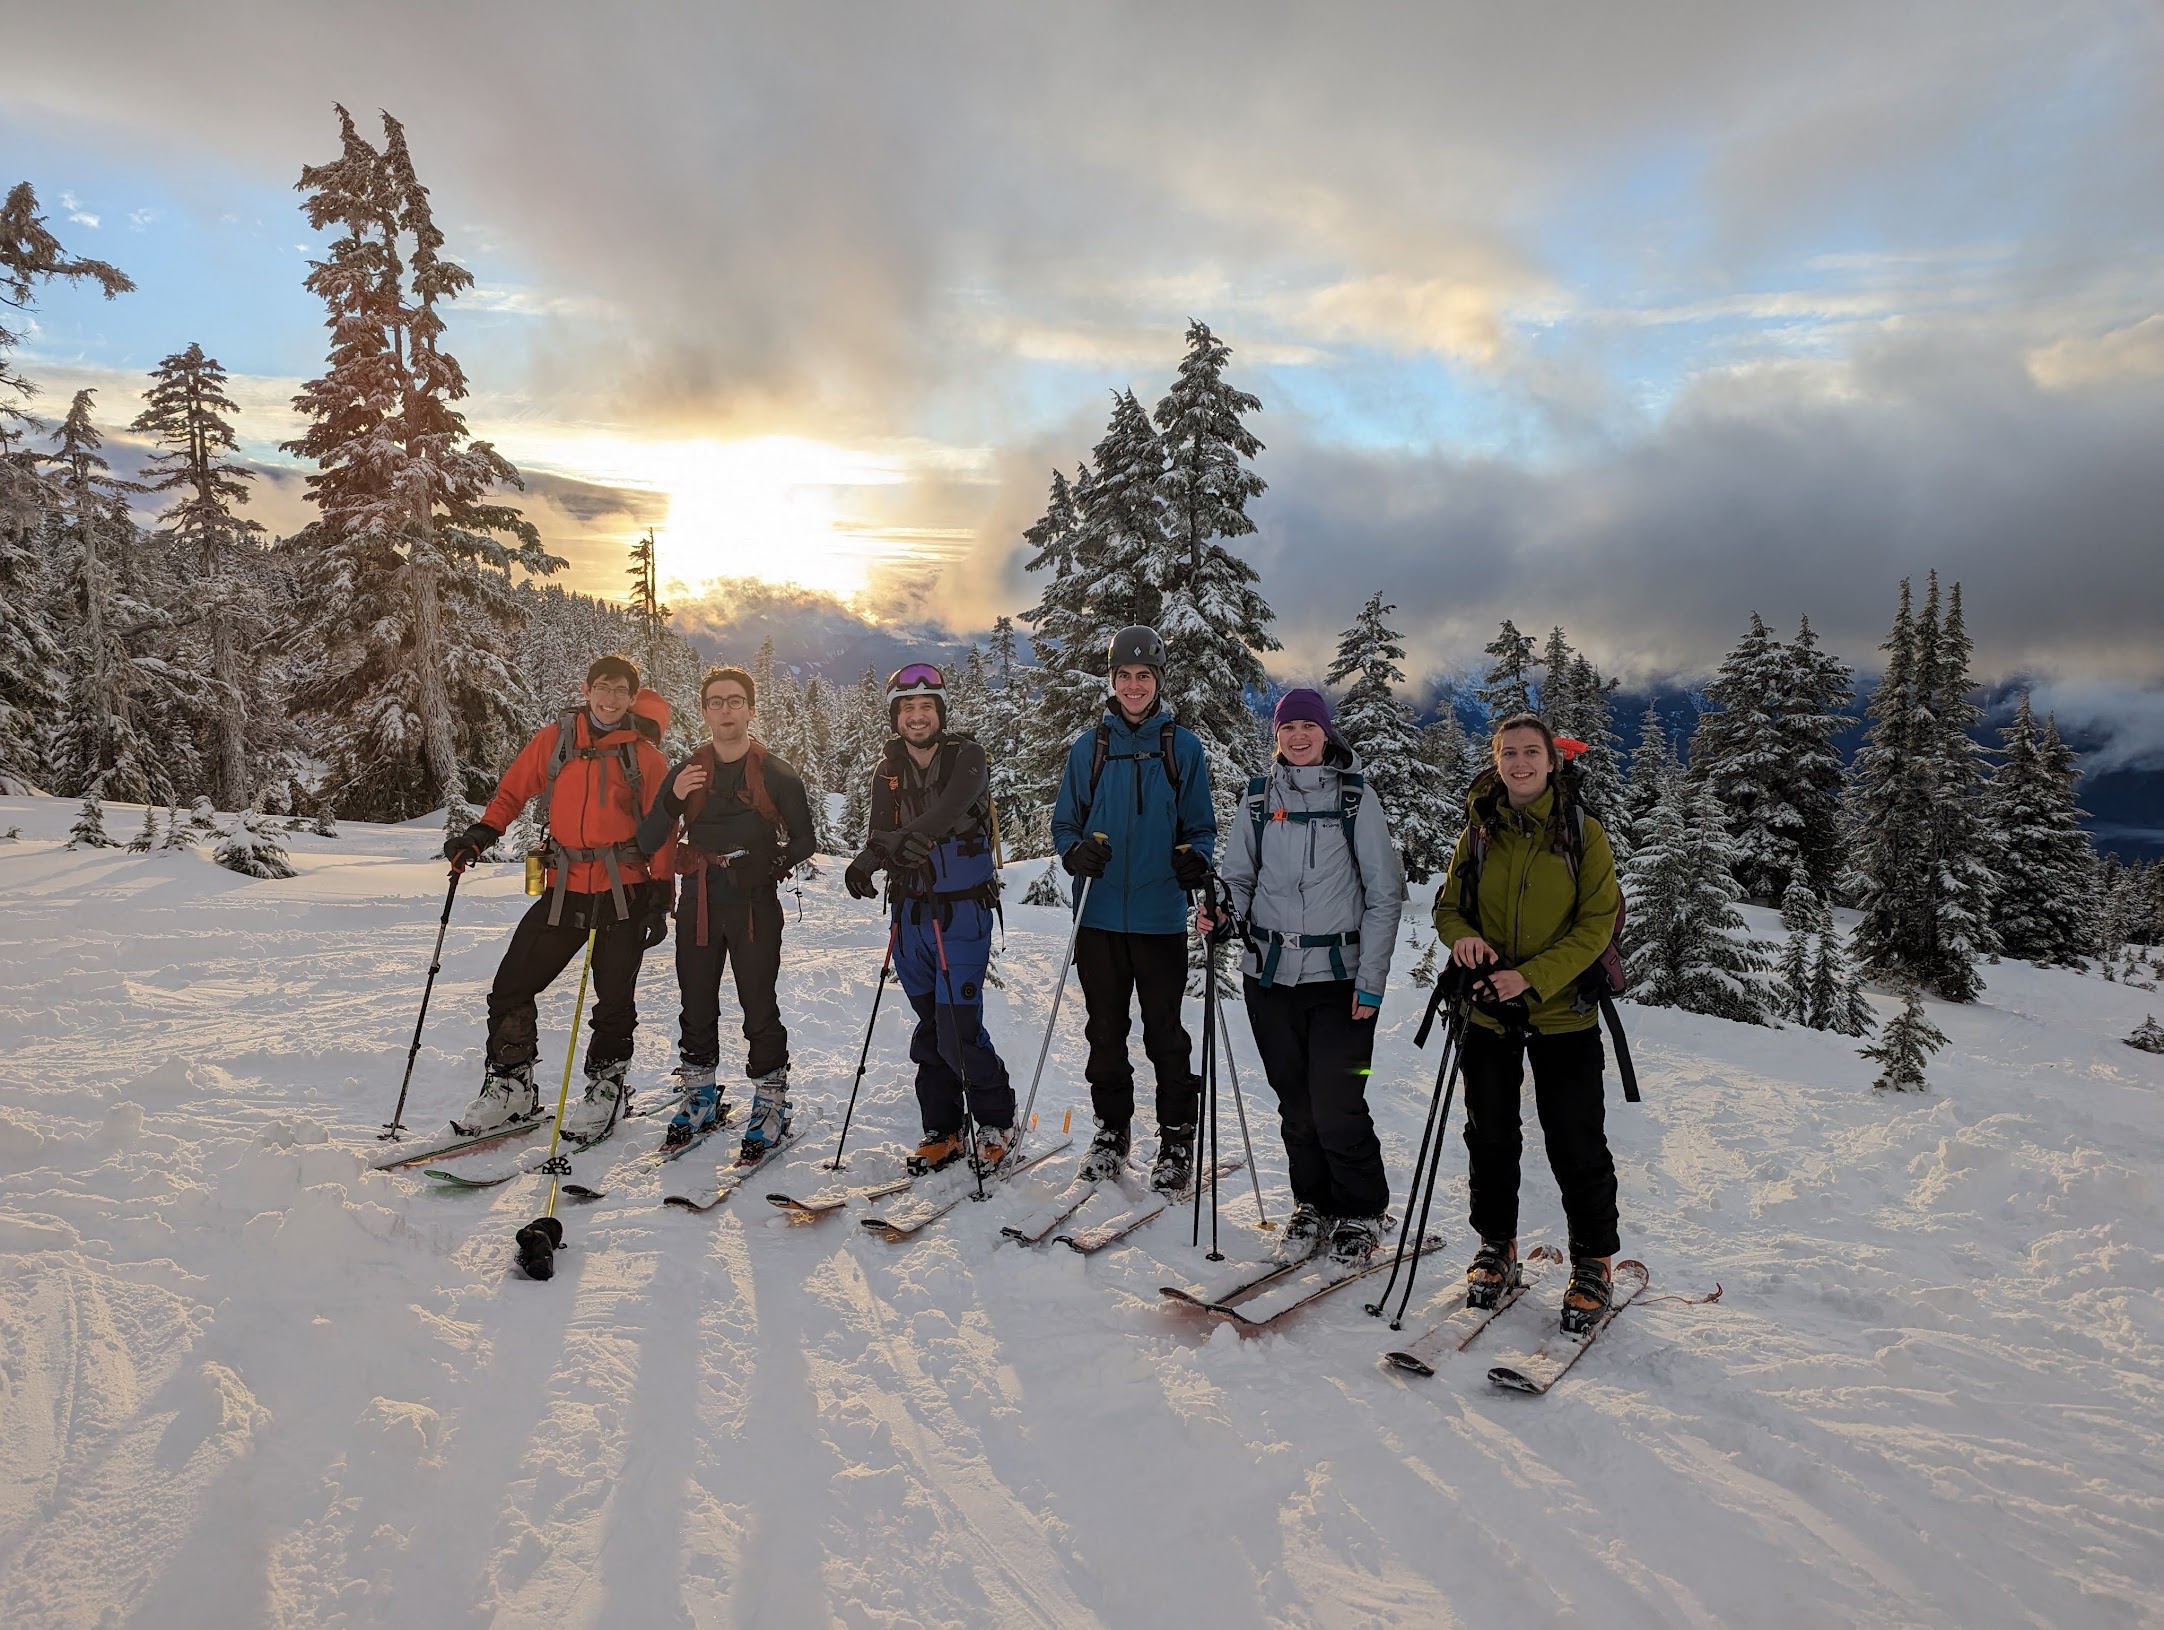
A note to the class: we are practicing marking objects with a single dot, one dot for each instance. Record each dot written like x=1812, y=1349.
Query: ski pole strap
x=1623, y=1065
x=611, y=856
x=1276, y=943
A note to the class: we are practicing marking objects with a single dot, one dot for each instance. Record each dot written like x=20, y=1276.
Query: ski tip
x=584, y=1195
x=1408, y=1364
x=1511, y=1380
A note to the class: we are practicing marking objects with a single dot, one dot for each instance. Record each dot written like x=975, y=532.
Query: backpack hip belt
x=612, y=858
x=1336, y=944
x=694, y=862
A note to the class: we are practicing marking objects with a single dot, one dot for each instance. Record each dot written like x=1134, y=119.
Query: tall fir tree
x=1922, y=887
x=1685, y=944
x=1739, y=753
x=1214, y=619
x=409, y=599
x=1906, y=1046
x=1652, y=764
x=1837, y=999
x=31, y=660
x=104, y=736
x=2042, y=907
x=1509, y=685
x=1382, y=730
x=1814, y=703
x=186, y=416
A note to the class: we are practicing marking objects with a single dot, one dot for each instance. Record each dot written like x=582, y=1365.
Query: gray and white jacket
x=1313, y=878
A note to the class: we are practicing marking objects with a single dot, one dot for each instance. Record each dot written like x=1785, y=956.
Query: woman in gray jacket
x=1316, y=878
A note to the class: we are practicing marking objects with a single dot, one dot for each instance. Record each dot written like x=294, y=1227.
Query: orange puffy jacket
x=591, y=805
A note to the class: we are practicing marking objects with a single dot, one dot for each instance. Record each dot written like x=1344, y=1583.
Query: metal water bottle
x=537, y=871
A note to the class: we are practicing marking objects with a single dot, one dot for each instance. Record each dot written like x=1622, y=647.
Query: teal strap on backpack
x=1335, y=943
x=1350, y=784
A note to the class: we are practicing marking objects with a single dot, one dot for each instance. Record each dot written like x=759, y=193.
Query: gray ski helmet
x=1136, y=645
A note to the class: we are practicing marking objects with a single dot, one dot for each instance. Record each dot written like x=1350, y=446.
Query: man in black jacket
x=746, y=824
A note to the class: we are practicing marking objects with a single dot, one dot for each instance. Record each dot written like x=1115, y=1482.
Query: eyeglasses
x=608, y=687
x=916, y=674
x=727, y=703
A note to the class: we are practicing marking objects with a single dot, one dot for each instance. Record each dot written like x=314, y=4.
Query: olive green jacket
x=1539, y=921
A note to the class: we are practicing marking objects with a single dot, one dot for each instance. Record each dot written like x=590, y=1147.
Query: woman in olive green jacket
x=1541, y=919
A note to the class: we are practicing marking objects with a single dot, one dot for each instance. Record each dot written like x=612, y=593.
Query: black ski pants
x=743, y=934
x=1115, y=970
x=538, y=953
x=1567, y=1094
x=1316, y=1055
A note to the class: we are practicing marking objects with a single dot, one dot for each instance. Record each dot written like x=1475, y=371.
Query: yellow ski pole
x=540, y=1239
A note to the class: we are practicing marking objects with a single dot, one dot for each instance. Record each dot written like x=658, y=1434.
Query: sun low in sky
x=1634, y=319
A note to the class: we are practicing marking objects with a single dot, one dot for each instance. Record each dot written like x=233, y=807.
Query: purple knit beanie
x=1302, y=704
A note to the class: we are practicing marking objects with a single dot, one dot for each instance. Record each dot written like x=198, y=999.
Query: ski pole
x=1421, y=1161
x=1197, y=1137
x=539, y=1240
x=393, y=1128
x=1224, y=1030
x=1059, y=989
x=885, y=963
x=1435, y=1163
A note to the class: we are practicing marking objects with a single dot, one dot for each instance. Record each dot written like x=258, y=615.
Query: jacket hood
x=1118, y=719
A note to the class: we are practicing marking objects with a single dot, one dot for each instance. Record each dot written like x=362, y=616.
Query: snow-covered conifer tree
x=1814, y=704
x=2042, y=907
x=1924, y=888
x=186, y=416
x=1739, y=752
x=325, y=824
x=1652, y=765
x=1214, y=621
x=1905, y=1047
x=177, y=833
x=89, y=828
x=2148, y=1035
x=1457, y=761
x=31, y=660
x=1685, y=944
x=1799, y=917
x=1837, y=999
x=105, y=732
x=1380, y=728
x=147, y=839
x=408, y=595
x=1509, y=686
x=251, y=848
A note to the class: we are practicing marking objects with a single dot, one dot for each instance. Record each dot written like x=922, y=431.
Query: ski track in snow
x=243, y=1380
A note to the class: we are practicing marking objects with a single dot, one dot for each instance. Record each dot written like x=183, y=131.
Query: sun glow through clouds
x=771, y=507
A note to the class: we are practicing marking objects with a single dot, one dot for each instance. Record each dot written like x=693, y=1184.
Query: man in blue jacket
x=1134, y=816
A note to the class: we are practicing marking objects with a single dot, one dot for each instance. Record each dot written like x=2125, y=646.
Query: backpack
x=1350, y=784
x=1605, y=980
x=624, y=752
x=1101, y=754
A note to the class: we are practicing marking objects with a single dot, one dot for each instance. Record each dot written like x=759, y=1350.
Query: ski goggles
x=916, y=676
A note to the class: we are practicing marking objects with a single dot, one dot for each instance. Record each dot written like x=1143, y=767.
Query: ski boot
x=938, y=1149
x=507, y=1097
x=769, y=1122
x=994, y=1144
x=1169, y=1171
x=1304, y=1233
x=593, y=1117
x=1107, y=1156
x=1354, y=1240
x=1586, y=1301
x=1494, y=1270
x=702, y=1109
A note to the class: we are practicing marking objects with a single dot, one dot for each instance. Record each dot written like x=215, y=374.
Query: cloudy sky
x=1629, y=317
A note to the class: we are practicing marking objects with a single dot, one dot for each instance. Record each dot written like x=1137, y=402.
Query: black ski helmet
x=1136, y=645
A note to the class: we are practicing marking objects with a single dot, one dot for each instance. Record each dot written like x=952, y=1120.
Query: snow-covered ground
x=246, y=1381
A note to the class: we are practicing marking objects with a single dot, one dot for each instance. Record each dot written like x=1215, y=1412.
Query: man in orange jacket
x=597, y=770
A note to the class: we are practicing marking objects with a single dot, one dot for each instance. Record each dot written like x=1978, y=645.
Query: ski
x=1548, y=1363
x=571, y=1147
x=1032, y=1228
x=928, y=1203
x=457, y=1144
x=676, y=1151
x=1285, y=1292
x=733, y=1176
x=1461, y=1325
x=832, y=1200
x=1230, y=1285
x=1118, y=1226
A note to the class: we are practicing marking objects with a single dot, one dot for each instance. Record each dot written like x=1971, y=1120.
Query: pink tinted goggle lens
x=917, y=673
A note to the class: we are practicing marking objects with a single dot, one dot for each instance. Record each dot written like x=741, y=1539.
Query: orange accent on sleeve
x=522, y=782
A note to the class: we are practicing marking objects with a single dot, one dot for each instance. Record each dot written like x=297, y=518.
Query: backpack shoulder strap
x=1258, y=798
x=1100, y=750
x=1167, y=741
x=567, y=736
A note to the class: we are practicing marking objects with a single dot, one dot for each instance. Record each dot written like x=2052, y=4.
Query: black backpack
x=1101, y=754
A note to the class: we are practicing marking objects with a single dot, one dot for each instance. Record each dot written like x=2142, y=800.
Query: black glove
x=1089, y=858
x=471, y=844
x=912, y=849
x=660, y=899
x=858, y=878
x=1190, y=869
